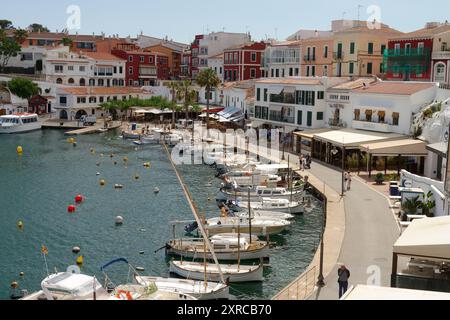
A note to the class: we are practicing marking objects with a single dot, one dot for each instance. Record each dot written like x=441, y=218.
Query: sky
x=181, y=20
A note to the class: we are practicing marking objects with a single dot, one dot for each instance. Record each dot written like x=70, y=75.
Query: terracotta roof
x=246, y=84
x=396, y=87
x=292, y=81
x=365, y=29
x=102, y=56
x=85, y=91
x=217, y=56
x=425, y=32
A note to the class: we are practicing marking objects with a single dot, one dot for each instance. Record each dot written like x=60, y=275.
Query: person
x=305, y=164
x=345, y=180
x=343, y=276
x=301, y=163
x=349, y=181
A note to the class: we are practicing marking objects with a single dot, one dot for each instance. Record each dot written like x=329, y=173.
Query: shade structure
x=439, y=148
x=372, y=293
x=426, y=238
x=404, y=147
x=354, y=138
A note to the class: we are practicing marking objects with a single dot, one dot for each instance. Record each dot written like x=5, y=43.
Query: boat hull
x=20, y=128
x=192, y=270
x=260, y=231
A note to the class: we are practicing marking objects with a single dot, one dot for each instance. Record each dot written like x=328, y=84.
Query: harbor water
x=38, y=186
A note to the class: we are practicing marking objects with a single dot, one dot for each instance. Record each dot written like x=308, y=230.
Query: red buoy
x=79, y=199
x=71, y=209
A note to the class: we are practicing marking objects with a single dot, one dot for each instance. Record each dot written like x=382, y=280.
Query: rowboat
x=196, y=289
x=259, y=226
x=227, y=248
x=233, y=273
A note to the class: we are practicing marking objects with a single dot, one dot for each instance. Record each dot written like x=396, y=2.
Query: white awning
x=404, y=147
x=353, y=138
x=426, y=238
x=372, y=293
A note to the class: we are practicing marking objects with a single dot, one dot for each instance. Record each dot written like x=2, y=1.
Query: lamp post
x=334, y=152
x=321, y=278
x=283, y=140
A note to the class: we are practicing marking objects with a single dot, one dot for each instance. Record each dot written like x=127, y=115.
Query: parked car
x=88, y=120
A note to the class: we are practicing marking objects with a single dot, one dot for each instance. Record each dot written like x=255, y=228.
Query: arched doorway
x=63, y=115
x=71, y=81
x=82, y=82
x=440, y=71
x=92, y=82
x=79, y=114
x=59, y=81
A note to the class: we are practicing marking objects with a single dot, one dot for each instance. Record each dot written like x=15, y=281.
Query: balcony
x=288, y=98
x=338, y=55
x=372, y=126
x=441, y=55
x=337, y=123
x=277, y=117
x=408, y=52
x=309, y=58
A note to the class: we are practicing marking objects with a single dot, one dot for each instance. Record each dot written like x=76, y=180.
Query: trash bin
x=394, y=190
x=133, y=127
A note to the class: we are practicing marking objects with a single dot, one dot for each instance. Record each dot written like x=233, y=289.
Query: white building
x=10, y=103
x=74, y=102
x=28, y=57
x=282, y=59
x=92, y=68
x=240, y=95
x=216, y=63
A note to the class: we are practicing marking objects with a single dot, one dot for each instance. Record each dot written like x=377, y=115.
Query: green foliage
x=36, y=27
x=20, y=35
x=8, y=48
x=411, y=205
x=379, y=177
x=23, y=88
x=428, y=205
x=5, y=24
x=66, y=41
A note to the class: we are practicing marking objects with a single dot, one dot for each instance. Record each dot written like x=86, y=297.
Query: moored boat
x=19, y=123
x=275, y=205
x=259, y=226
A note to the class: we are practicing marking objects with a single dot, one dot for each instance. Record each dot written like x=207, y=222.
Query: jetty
x=93, y=129
x=75, y=128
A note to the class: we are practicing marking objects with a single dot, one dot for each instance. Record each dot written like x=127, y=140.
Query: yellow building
x=359, y=51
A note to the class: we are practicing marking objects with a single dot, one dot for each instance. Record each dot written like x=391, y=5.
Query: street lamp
x=283, y=140
x=334, y=152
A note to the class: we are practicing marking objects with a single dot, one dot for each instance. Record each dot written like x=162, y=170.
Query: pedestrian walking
x=301, y=163
x=349, y=181
x=343, y=276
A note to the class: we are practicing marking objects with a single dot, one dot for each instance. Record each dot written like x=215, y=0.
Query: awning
x=213, y=110
x=309, y=134
x=439, y=148
x=375, y=293
x=353, y=138
x=152, y=111
x=405, y=147
x=426, y=238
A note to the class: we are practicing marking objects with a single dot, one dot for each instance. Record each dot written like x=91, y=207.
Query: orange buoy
x=79, y=198
x=71, y=209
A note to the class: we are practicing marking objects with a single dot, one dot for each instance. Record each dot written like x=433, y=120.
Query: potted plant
x=428, y=205
x=410, y=206
x=379, y=178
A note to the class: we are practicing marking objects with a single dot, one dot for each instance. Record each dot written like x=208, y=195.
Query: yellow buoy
x=102, y=182
x=125, y=159
x=19, y=150
x=20, y=225
x=80, y=261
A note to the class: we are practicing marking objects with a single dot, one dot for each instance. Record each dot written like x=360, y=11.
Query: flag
x=44, y=250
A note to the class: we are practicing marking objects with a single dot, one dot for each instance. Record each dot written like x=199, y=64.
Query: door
x=309, y=119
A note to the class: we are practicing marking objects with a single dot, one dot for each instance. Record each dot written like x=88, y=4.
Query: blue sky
x=182, y=19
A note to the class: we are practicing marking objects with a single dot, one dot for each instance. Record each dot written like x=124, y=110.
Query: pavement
x=370, y=233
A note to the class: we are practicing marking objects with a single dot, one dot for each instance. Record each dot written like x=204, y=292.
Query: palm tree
x=188, y=95
x=208, y=79
x=20, y=35
x=173, y=87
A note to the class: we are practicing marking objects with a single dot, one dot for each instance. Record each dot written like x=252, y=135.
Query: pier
x=75, y=128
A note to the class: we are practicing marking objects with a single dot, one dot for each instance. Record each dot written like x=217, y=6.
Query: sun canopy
x=372, y=293
x=426, y=238
x=439, y=148
x=405, y=147
x=352, y=138
x=152, y=111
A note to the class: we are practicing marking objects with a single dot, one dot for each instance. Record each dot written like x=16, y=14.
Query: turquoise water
x=37, y=187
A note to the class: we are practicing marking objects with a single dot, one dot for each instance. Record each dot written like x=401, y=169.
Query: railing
x=301, y=288
x=309, y=58
x=283, y=98
x=408, y=52
x=441, y=55
x=337, y=123
x=279, y=118
x=338, y=55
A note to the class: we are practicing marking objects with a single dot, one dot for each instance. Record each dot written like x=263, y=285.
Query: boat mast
x=204, y=260
x=249, y=216
x=196, y=214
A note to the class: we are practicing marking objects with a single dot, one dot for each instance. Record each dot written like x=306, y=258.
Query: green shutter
x=352, y=48
x=309, y=120
x=370, y=48
x=258, y=94
x=319, y=116
x=300, y=117
x=351, y=68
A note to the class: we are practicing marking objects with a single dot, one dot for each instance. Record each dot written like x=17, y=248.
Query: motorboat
x=19, y=123
x=259, y=192
x=227, y=248
x=275, y=205
x=148, y=139
x=233, y=273
x=269, y=180
x=139, y=292
x=131, y=135
x=270, y=215
x=259, y=226
x=196, y=289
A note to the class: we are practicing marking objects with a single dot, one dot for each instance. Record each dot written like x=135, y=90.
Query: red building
x=142, y=68
x=420, y=55
x=243, y=62
x=195, y=49
x=186, y=64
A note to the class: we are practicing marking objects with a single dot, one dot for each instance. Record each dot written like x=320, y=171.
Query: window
x=407, y=49
x=351, y=68
x=130, y=70
x=297, y=71
x=277, y=73
x=370, y=48
x=272, y=73
x=325, y=52
x=357, y=114
x=369, y=114
x=236, y=58
x=300, y=117
x=101, y=99
x=59, y=69
x=258, y=94
x=320, y=95
x=70, y=68
x=319, y=116
x=307, y=71
x=309, y=119
x=313, y=71
x=397, y=48
x=266, y=93
x=369, y=68
x=325, y=71
x=82, y=68
x=252, y=73
x=142, y=59
x=253, y=57
x=421, y=46
x=352, y=47
x=130, y=82
x=395, y=118
x=383, y=48
x=291, y=72
x=81, y=100
x=130, y=58
x=63, y=101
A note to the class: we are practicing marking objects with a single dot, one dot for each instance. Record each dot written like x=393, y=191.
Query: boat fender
x=122, y=294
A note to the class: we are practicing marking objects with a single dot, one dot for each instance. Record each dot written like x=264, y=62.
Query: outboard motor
x=191, y=227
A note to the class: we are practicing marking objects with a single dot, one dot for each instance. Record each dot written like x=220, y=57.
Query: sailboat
x=225, y=246
x=277, y=205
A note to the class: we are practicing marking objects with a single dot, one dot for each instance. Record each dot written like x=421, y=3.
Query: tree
x=20, y=35
x=208, y=79
x=174, y=88
x=188, y=95
x=67, y=42
x=8, y=48
x=5, y=24
x=23, y=88
x=36, y=27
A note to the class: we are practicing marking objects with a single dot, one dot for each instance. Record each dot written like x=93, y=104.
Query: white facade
x=216, y=63
x=64, y=67
x=239, y=95
x=10, y=103
x=215, y=43
x=282, y=61
x=27, y=57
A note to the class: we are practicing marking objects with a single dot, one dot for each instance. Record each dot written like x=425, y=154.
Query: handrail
x=301, y=288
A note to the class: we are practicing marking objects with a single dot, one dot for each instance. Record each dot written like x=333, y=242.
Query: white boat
x=258, y=193
x=275, y=205
x=270, y=180
x=271, y=215
x=259, y=226
x=19, y=122
x=232, y=273
x=172, y=139
x=229, y=248
x=131, y=135
x=139, y=292
x=196, y=289
x=69, y=286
